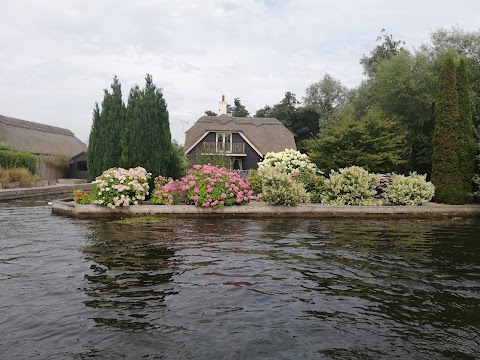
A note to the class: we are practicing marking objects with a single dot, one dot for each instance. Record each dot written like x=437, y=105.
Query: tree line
x=397, y=119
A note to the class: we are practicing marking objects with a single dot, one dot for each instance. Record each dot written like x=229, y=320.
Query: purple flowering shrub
x=382, y=185
x=203, y=186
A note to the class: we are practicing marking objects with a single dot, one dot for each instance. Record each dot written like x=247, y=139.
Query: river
x=237, y=288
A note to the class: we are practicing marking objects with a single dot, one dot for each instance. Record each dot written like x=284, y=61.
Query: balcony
x=224, y=148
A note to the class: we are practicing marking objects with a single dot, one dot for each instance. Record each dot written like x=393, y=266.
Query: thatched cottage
x=52, y=145
x=245, y=140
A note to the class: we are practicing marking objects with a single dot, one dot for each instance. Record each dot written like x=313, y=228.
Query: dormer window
x=224, y=142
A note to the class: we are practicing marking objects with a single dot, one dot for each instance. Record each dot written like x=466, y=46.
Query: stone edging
x=22, y=193
x=64, y=207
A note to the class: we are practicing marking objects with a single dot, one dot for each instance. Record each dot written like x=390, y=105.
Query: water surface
x=237, y=288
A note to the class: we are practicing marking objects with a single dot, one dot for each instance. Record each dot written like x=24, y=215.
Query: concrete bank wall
x=25, y=193
x=257, y=209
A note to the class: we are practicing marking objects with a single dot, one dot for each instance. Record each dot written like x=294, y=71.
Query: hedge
x=11, y=158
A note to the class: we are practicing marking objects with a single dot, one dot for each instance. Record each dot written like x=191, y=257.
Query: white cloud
x=57, y=56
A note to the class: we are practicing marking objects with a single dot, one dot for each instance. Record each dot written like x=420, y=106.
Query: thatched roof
x=38, y=138
x=266, y=134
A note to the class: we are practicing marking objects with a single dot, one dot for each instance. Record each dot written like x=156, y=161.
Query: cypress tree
x=93, y=161
x=105, y=138
x=466, y=139
x=445, y=158
x=147, y=140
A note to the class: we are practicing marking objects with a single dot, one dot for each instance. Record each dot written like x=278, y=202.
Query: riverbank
x=59, y=190
x=70, y=208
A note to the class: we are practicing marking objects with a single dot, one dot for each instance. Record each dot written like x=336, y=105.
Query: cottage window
x=224, y=142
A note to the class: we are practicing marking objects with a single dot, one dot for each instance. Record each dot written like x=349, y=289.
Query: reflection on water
x=239, y=288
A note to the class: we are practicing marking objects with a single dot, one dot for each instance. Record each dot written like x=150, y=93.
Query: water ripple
x=237, y=288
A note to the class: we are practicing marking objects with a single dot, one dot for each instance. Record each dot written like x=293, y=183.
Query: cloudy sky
x=57, y=56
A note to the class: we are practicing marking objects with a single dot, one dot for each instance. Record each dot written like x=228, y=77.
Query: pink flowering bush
x=204, y=186
x=121, y=187
x=166, y=191
x=212, y=186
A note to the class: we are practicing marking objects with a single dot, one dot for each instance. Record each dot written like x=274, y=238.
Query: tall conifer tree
x=92, y=160
x=466, y=139
x=147, y=140
x=445, y=158
x=105, y=149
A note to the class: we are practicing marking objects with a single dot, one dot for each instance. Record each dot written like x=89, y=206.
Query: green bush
x=410, y=190
x=11, y=158
x=350, y=186
x=278, y=188
x=313, y=184
x=255, y=181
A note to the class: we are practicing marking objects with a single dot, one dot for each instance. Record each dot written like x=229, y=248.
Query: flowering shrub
x=410, y=190
x=312, y=183
x=278, y=188
x=212, y=186
x=351, y=186
x=121, y=187
x=288, y=160
x=82, y=197
x=165, y=192
x=382, y=187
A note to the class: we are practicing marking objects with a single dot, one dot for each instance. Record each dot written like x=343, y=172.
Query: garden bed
x=259, y=209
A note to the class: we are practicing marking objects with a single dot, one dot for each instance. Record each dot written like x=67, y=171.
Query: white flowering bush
x=410, y=190
x=288, y=161
x=351, y=186
x=278, y=188
x=121, y=187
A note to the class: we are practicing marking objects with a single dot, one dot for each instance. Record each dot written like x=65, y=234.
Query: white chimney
x=223, y=106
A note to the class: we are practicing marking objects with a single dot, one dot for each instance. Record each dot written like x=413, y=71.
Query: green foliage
x=465, y=44
x=445, y=159
x=303, y=122
x=476, y=183
x=213, y=158
x=314, y=184
x=351, y=186
x=325, y=97
x=404, y=88
x=372, y=142
x=11, y=158
x=410, y=190
x=386, y=50
x=465, y=141
x=238, y=110
x=255, y=181
x=82, y=197
x=104, y=149
x=210, y=113
x=146, y=139
x=278, y=188
x=177, y=162
x=121, y=187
